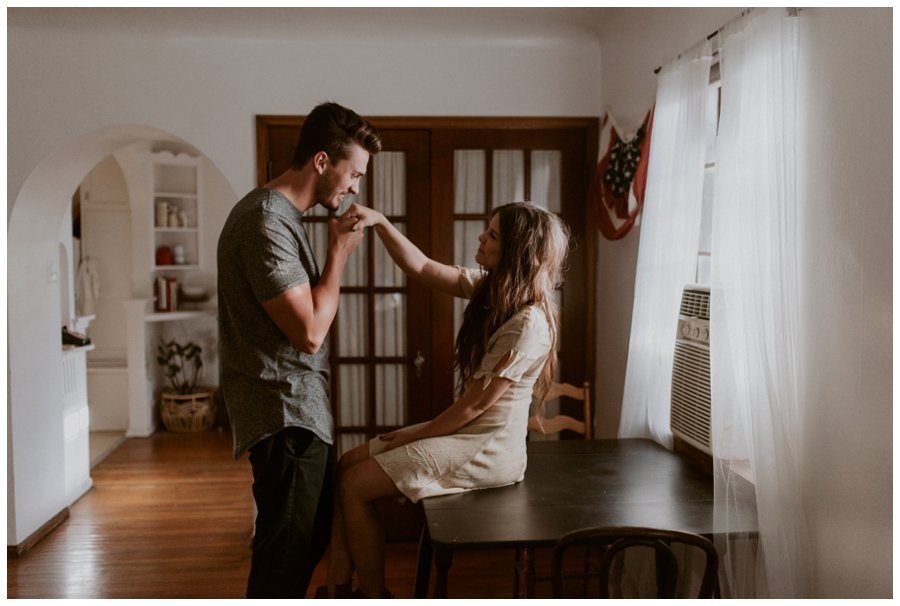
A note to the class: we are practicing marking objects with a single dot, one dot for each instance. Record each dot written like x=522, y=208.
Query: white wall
x=207, y=91
x=845, y=166
x=77, y=96
x=845, y=192
x=106, y=241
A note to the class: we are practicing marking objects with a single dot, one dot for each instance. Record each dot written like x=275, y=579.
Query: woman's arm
x=407, y=255
x=469, y=406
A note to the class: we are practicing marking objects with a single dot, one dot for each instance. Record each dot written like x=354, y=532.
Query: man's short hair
x=333, y=129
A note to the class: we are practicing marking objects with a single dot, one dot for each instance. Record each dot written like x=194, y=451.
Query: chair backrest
x=604, y=544
x=556, y=424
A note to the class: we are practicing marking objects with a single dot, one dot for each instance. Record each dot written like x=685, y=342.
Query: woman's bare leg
x=361, y=485
x=340, y=564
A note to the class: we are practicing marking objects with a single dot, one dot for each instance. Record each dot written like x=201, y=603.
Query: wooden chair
x=554, y=425
x=525, y=571
x=605, y=544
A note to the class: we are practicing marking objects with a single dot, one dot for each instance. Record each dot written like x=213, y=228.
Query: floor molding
x=14, y=552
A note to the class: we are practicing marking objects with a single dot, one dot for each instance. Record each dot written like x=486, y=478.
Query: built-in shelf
x=174, y=194
x=70, y=349
x=172, y=316
x=107, y=365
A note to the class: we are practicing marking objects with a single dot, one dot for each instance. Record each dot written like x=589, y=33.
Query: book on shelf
x=166, y=294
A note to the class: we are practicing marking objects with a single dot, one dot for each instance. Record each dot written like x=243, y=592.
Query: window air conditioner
x=691, y=399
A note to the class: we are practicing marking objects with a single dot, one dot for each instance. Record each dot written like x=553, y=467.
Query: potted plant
x=185, y=407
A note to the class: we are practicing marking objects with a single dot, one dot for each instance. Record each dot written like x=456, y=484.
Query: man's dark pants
x=293, y=486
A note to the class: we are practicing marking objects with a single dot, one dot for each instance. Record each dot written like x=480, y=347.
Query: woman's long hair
x=534, y=244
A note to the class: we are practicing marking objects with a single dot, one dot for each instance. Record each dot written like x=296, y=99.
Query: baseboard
x=17, y=551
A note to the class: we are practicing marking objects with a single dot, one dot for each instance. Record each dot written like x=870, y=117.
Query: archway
x=37, y=428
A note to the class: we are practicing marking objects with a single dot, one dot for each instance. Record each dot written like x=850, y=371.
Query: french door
x=437, y=180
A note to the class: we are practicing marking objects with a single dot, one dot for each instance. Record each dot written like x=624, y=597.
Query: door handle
x=419, y=362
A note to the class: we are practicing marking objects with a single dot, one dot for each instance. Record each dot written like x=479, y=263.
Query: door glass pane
x=386, y=271
x=465, y=245
x=352, y=394
x=465, y=242
x=545, y=179
x=355, y=270
x=508, y=176
x=390, y=395
x=390, y=324
x=469, y=180
x=390, y=183
x=352, y=326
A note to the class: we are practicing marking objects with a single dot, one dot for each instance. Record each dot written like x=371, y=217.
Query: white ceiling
x=525, y=24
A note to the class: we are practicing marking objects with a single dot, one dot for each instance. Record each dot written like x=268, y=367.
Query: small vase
x=162, y=214
x=163, y=255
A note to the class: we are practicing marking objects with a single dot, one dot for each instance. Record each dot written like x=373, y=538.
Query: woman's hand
x=394, y=439
x=363, y=215
x=405, y=254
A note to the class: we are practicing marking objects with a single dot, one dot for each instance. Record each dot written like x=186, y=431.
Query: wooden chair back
x=604, y=544
x=553, y=425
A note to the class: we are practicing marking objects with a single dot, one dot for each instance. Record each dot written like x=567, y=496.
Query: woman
x=506, y=345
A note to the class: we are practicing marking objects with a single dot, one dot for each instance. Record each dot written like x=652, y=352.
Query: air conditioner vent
x=695, y=303
x=691, y=394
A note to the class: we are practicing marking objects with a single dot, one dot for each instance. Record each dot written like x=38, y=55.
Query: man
x=275, y=311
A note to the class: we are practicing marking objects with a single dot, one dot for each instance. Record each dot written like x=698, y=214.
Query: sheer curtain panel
x=667, y=257
x=754, y=315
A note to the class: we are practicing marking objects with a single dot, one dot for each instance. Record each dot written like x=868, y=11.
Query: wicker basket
x=189, y=412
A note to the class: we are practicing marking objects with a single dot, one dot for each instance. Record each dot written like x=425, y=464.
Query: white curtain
x=546, y=179
x=667, y=256
x=754, y=315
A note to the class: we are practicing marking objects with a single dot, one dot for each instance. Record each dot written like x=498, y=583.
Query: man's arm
x=305, y=314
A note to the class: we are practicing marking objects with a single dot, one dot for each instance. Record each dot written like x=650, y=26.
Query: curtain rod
x=791, y=11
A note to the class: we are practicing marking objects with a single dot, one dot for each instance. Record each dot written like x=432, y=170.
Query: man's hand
x=343, y=235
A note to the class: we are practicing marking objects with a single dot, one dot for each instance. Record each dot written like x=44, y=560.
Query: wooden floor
x=169, y=516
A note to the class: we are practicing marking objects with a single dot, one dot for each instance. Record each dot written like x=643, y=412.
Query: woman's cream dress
x=490, y=450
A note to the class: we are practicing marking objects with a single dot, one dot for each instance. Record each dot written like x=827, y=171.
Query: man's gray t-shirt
x=267, y=384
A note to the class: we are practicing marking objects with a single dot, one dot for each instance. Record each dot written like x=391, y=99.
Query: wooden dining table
x=568, y=485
